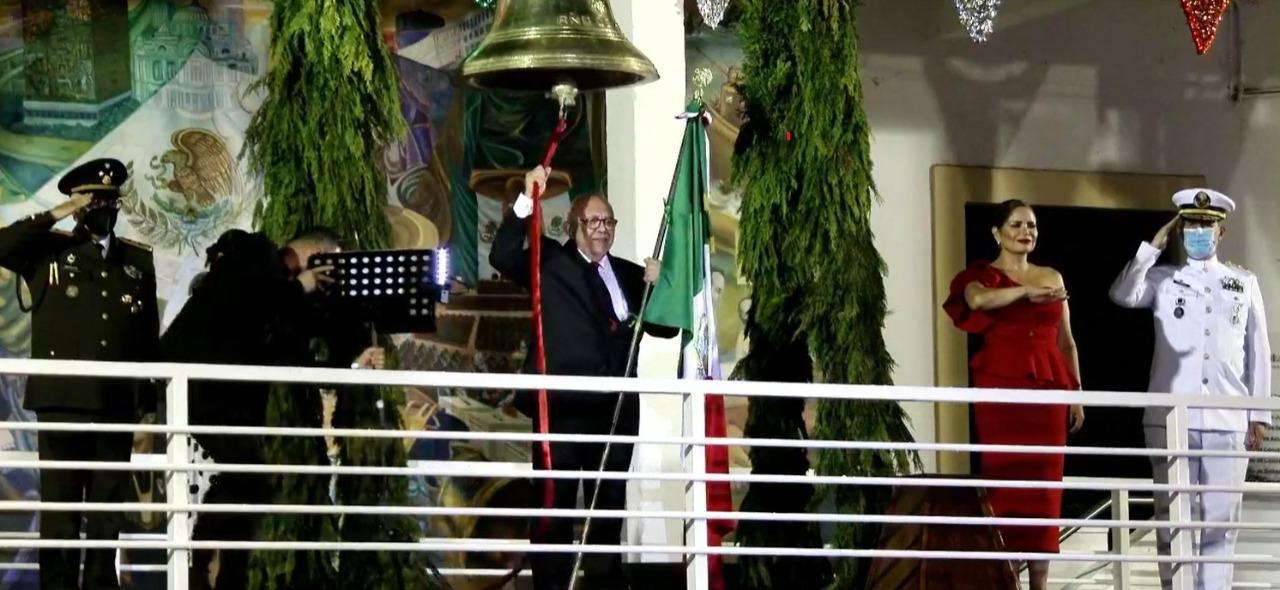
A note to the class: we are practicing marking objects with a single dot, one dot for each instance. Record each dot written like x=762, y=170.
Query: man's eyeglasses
x=594, y=223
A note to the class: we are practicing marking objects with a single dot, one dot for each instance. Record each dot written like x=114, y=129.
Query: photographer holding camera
x=258, y=304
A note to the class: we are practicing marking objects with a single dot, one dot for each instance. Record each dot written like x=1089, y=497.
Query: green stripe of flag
x=683, y=276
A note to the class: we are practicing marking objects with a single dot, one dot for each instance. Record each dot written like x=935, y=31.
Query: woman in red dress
x=1020, y=310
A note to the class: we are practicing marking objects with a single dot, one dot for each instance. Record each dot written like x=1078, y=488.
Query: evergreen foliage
x=332, y=106
x=374, y=407
x=299, y=407
x=806, y=246
x=357, y=407
x=784, y=360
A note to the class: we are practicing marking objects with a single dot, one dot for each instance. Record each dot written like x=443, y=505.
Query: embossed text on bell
x=537, y=44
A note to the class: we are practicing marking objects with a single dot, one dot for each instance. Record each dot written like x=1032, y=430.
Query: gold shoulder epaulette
x=135, y=244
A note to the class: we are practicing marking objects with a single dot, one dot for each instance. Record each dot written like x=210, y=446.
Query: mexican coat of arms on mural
x=195, y=192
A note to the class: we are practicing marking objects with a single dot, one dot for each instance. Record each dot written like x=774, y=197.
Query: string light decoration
x=978, y=17
x=701, y=79
x=1203, y=17
x=712, y=11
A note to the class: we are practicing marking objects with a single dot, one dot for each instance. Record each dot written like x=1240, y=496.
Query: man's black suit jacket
x=576, y=326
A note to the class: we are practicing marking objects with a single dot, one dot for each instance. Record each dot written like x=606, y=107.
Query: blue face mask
x=1200, y=242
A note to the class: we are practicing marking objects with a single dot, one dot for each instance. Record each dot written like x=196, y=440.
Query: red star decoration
x=1203, y=16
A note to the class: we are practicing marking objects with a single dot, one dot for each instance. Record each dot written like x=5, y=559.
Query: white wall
x=1102, y=85
x=1093, y=85
x=643, y=143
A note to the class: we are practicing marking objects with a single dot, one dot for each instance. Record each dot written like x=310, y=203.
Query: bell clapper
x=566, y=95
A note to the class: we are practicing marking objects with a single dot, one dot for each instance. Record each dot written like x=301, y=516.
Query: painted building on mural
x=76, y=61
x=10, y=24
x=161, y=62
x=445, y=47
x=157, y=54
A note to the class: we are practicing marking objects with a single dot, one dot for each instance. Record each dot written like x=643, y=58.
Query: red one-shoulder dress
x=1019, y=351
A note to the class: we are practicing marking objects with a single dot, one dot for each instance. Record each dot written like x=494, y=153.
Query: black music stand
x=395, y=291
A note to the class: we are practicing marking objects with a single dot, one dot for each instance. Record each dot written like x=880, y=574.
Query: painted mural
x=162, y=85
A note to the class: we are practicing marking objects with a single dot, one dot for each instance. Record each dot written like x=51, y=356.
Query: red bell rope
x=535, y=285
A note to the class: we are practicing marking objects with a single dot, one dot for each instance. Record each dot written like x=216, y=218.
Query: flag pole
x=632, y=351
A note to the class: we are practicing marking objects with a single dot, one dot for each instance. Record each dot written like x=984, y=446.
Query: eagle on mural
x=202, y=169
x=196, y=192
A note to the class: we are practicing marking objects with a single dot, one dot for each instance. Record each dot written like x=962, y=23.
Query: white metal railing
x=178, y=465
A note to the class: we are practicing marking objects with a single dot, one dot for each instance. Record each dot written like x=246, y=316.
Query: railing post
x=177, y=489
x=1181, y=544
x=1120, y=538
x=698, y=572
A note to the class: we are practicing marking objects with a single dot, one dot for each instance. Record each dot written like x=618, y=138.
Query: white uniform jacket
x=1211, y=334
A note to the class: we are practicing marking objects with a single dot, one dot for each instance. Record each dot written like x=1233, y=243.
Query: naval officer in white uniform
x=1211, y=339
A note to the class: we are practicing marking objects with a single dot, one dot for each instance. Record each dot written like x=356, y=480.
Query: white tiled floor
x=1098, y=576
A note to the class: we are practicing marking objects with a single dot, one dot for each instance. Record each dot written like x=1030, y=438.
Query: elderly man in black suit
x=590, y=302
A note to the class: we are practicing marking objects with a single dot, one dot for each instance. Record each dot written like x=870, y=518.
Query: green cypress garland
x=291, y=405
x=297, y=406
x=332, y=107
x=317, y=141
x=788, y=361
x=804, y=163
x=376, y=408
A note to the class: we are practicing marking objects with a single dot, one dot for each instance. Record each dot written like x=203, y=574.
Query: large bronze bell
x=535, y=45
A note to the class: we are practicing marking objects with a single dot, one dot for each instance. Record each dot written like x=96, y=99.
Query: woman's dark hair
x=1005, y=210
x=239, y=255
x=226, y=244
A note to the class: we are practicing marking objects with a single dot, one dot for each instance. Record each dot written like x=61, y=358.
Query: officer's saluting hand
x=1162, y=236
x=77, y=202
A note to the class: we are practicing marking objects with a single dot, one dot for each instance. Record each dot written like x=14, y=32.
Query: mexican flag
x=682, y=298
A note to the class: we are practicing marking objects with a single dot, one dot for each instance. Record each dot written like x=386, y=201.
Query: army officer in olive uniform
x=93, y=297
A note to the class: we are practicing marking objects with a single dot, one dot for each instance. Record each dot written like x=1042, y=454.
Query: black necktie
x=602, y=296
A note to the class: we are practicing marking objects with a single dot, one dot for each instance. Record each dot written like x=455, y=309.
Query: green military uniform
x=92, y=298
x=86, y=306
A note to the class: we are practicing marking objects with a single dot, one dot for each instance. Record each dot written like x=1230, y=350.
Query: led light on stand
x=442, y=266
